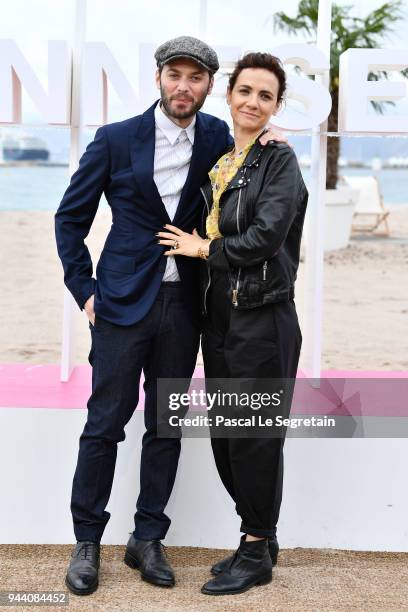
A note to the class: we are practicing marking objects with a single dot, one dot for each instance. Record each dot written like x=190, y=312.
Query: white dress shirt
x=172, y=156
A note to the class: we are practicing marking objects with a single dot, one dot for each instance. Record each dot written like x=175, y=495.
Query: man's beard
x=166, y=103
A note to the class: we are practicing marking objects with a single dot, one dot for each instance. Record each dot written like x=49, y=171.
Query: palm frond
x=378, y=75
x=305, y=20
x=347, y=31
x=379, y=107
x=291, y=25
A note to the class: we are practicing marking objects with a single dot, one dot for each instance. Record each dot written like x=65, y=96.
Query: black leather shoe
x=250, y=566
x=149, y=558
x=82, y=574
x=222, y=565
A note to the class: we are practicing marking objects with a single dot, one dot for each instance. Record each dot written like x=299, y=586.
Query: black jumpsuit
x=262, y=342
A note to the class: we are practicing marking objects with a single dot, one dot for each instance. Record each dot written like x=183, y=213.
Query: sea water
x=36, y=188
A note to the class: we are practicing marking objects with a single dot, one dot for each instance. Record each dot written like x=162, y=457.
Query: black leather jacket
x=261, y=221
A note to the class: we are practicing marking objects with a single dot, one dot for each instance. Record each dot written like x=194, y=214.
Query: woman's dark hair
x=261, y=60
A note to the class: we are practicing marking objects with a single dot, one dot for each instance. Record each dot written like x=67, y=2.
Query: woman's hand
x=182, y=243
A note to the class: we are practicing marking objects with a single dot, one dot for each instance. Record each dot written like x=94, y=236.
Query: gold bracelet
x=201, y=253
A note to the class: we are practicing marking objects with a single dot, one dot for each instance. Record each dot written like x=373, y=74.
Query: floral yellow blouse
x=220, y=176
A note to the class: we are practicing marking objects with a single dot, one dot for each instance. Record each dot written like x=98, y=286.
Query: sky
x=123, y=24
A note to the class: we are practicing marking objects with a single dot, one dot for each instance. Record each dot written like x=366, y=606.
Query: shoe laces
x=85, y=552
x=158, y=546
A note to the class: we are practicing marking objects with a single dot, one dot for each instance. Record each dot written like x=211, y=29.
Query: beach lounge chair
x=370, y=214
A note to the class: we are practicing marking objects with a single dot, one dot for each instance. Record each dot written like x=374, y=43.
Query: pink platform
x=39, y=386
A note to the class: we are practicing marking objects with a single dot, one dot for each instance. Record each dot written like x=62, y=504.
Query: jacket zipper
x=265, y=267
x=235, y=291
x=208, y=268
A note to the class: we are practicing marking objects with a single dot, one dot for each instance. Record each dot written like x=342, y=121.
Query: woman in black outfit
x=255, y=201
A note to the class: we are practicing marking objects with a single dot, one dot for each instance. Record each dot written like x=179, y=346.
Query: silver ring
x=175, y=245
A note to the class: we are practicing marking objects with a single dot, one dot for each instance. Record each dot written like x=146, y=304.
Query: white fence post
x=314, y=230
x=68, y=324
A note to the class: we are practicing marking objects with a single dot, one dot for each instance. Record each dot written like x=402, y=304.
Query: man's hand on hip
x=89, y=309
x=273, y=133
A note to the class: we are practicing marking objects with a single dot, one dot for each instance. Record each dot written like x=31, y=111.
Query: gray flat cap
x=192, y=48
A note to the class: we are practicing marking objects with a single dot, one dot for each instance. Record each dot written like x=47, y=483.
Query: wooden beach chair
x=370, y=214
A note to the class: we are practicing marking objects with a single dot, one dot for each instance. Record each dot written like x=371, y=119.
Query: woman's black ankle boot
x=250, y=566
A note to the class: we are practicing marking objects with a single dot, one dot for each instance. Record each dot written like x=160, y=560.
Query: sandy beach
x=365, y=323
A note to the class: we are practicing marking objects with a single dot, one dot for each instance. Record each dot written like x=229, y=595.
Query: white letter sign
x=15, y=72
x=356, y=90
x=315, y=98
x=100, y=65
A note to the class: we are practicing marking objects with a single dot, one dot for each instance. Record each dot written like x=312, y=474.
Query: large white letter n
x=15, y=72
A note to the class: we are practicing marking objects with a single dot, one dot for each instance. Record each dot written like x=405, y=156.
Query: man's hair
x=261, y=60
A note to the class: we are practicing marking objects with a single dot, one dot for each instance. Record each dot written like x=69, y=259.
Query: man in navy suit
x=143, y=307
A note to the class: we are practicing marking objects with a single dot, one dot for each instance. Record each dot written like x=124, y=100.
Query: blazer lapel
x=142, y=145
x=199, y=167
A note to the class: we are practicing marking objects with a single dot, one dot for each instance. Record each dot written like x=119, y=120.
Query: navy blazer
x=119, y=163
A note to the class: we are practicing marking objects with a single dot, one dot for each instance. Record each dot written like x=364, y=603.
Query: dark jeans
x=259, y=343
x=163, y=344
